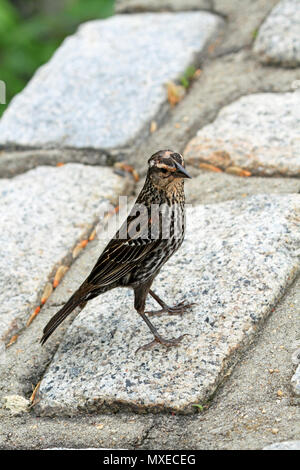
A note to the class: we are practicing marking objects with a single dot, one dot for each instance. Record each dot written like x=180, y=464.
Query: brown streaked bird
x=152, y=232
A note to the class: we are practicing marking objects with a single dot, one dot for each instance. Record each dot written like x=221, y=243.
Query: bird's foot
x=176, y=310
x=166, y=342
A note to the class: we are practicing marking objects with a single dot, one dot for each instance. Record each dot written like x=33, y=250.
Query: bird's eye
x=163, y=170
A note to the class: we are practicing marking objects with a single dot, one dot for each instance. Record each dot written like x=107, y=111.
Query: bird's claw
x=166, y=342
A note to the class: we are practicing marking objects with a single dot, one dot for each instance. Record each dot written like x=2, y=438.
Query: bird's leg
x=176, y=310
x=157, y=338
x=140, y=294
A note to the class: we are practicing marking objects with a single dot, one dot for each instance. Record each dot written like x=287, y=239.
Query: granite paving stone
x=43, y=214
x=208, y=187
x=111, y=73
x=278, y=40
x=285, y=445
x=235, y=264
x=258, y=133
x=296, y=382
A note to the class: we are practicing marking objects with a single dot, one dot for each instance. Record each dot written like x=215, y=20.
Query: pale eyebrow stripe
x=166, y=167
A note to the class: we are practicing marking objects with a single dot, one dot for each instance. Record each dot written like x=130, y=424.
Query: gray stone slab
x=259, y=133
x=129, y=6
x=278, y=40
x=43, y=214
x=236, y=261
x=209, y=187
x=286, y=445
x=209, y=94
x=296, y=382
x=106, y=82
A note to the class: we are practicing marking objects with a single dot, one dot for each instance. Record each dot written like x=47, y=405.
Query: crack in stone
x=140, y=441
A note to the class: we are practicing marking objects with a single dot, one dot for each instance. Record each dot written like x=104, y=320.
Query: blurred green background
x=31, y=30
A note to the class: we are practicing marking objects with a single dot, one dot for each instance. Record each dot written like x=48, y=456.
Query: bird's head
x=166, y=169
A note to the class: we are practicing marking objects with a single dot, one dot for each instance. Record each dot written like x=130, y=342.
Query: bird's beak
x=180, y=172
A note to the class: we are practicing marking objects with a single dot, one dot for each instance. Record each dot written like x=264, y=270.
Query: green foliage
x=199, y=407
x=27, y=43
x=188, y=76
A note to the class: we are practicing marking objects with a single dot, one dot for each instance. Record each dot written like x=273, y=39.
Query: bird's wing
x=122, y=255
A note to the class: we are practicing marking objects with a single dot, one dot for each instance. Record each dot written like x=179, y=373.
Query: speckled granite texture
x=278, y=40
x=44, y=213
x=110, y=73
x=236, y=262
x=296, y=382
x=286, y=445
x=258, y=132
x=210, y=187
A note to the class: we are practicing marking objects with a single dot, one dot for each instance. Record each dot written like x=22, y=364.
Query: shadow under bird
x=133, y=260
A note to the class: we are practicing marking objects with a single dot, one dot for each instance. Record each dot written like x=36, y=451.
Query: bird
x=153, y=231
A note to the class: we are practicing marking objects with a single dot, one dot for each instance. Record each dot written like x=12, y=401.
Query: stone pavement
x=62, y=202
x=98, y=76
x=278, y=40
x=243, y=136
x=234, y=382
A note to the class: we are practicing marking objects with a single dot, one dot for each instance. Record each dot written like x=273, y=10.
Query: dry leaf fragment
x=12, y=340
x=93, y=235
x=78, y=248
x=175, y=93
x=31, y=399
x=208, y=166
x=47, y=292
x=59, y=275
x=125, y=167
x=237, y=171
x=33, y=315
x=153, y=126
x=135, y=175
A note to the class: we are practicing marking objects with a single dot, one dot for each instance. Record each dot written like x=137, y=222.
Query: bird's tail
x=59, y=317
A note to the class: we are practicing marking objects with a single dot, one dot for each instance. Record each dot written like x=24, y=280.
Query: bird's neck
x=170, y=194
